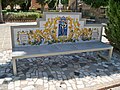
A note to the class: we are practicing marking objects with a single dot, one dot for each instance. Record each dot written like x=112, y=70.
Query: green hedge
x=22, y=15
x=59, y=10
x=4, y=11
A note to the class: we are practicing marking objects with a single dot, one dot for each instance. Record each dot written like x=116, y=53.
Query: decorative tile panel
x=60, y=29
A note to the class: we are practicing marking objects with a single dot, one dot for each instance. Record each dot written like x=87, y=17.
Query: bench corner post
x=14, y=66
x=110, y=53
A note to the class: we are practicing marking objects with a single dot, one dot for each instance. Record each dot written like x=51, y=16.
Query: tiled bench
x=51, y=37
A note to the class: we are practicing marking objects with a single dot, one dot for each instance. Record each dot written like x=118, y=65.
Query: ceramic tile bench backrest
x=59, y=27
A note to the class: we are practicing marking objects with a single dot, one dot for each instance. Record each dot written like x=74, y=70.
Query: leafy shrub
x=32, y=10
x=113, y=26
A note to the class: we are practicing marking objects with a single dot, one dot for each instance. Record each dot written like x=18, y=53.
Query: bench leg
x=110, y=53
x=102, y=56
x=14, y=67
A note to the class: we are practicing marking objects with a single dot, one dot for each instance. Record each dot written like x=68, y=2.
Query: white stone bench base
x=57, y=49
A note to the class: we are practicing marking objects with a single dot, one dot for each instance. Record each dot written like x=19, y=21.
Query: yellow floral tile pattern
x=49, y=34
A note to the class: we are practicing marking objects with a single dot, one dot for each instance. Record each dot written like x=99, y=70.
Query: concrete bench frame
x=20, y=54
x=55, y=49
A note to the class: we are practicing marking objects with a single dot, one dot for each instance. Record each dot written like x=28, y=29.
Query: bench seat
x=57, y=49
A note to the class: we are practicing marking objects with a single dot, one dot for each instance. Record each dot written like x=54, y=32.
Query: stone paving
x=84, y=71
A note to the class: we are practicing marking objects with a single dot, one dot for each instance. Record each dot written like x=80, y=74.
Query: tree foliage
x=42, y=3
x=24, y=4
x=4, y=4
x=65, y=2
x=51, y=4
x=96, y=3
x=113, y=26
x=54, y=3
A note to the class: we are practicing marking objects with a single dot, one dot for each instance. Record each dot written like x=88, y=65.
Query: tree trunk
x=42, y=8
x=28, y=5
x=1, y=16
x=12, y=9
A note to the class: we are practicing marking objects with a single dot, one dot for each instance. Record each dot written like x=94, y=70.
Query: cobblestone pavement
x=83, y=71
